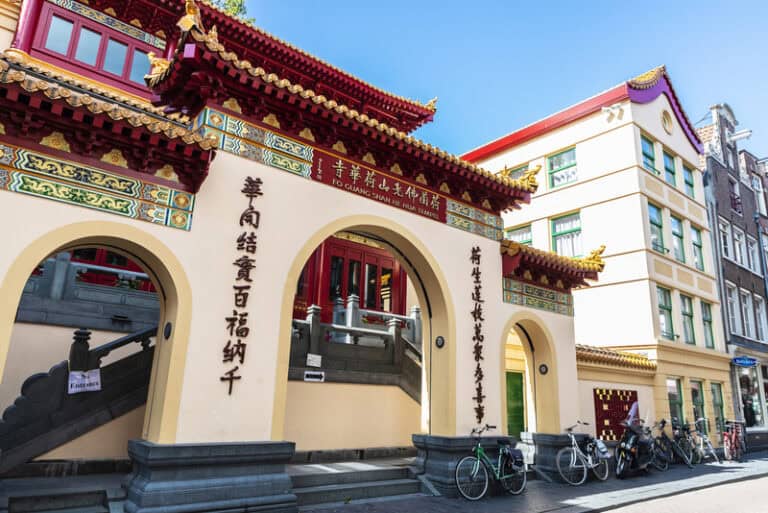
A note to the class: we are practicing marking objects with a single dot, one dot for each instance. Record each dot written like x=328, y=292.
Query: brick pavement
x=593, y=496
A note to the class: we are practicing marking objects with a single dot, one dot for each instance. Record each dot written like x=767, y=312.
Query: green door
x=515, y=404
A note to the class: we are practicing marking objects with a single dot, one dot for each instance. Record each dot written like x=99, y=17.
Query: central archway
x=433, y=295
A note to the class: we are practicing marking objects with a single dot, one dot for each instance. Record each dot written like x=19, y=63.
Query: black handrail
x=141, y=337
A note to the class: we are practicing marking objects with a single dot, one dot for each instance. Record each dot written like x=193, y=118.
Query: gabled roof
x=643, y=88
x=601, y=355
x=572, y=271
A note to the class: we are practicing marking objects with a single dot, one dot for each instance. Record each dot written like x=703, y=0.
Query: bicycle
x=573, y=463
x=703, y=447
x=638, y=449
x=734, y=446
x=472, y=471
x=670, y=447
x=684, y=438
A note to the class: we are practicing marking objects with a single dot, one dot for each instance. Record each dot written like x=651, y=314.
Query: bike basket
x=602, y=451
x=516, y=455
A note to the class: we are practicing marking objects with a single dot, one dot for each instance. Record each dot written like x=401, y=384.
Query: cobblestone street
x=593, y=496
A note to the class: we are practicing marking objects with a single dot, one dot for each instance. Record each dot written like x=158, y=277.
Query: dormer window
x=114, y=54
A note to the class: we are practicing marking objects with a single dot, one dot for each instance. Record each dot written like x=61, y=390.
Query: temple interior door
x=515, y=404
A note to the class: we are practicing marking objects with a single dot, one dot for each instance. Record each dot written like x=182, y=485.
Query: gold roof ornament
x=528, y=180
x=158, y=65
x=192, y=18
x=595, y=257
x=431, y=104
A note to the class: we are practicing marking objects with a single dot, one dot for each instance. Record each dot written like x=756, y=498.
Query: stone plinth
x=546, y=450
x=215, y=478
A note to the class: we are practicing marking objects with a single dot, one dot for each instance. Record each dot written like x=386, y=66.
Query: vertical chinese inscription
x=237, y=328
x=477, y=337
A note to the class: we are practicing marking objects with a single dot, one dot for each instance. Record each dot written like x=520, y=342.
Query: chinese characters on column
x=477, y=338
x=233, y=352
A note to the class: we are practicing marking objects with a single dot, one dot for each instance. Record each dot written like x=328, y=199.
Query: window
x=686, y=304
x=757, y=186
x=562, y=168
x=665, y=313
x=697, y=399
x=678, y=244
x=675, y=396
x=82, y=44
x=739, y=248
x=725, y=239
x=522, y=235
x=753, y=257
x=765, y=247
x=688, y=178
x=649, y=154
x=669, y=168
x=698, y=253
x=706, y=320
x=735, y=195
x=717, y=407
x=566, y=235
x=734, y=315
x=371, y=272
x=761, y=321
x=747, y=313
x=657, y=228
x=751, y=401
x=518, y=172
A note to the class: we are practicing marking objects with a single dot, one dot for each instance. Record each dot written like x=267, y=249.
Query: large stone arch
x=539, y=348
x=175, y=294
x=433, y=294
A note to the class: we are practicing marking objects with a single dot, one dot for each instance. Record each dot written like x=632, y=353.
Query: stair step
x=81, y=502
x=354, y=491
x=330, y=478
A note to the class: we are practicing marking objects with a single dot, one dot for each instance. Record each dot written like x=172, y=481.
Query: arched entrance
x=174, y=294
x=429, y=286
x=529, y=388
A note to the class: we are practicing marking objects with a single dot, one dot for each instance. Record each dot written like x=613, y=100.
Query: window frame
x=697, y=245
x=706, y=322
x=665, y=309
x=718, y=408
x=96, y=71
x=650, y=156
x=555, y=235
x=753, y=255
x=700, y=404
x=659, y=246
x=690, y=188
x=734, y=311
x=680, y=402
x=761, y=323
x=726, y=238
x=670, y=172
x=747, y=313
x=551, y=172
x=679, y=238
x=739, y=248
x=527, y=241
x=686, y=308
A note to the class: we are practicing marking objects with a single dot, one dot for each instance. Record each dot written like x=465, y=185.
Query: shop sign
x=745, y=361
x=84, y=381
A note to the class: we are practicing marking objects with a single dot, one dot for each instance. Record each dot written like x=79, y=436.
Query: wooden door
x=515, y=404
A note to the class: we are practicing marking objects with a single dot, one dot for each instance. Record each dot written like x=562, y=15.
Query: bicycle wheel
x=621, y=465
x=471, y=478
x=601, y=470
x=513, y=480
x=711, y=451
x=660, y=460
x=571, y=467
x=687, y=449
x=681, y=454
x=697, y=456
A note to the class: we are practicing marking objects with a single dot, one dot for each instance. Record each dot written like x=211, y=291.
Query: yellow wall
x=109, y=441
x=9, y=15
x=351, y=416
x=37, y=347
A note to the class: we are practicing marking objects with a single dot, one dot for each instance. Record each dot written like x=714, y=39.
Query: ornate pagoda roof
x=603, y=356
x=39, y=96
x=519, y=259
x=276, y=56
x=203, y=68
x=643, y=88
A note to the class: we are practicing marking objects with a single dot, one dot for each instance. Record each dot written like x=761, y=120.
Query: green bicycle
x=472, y=471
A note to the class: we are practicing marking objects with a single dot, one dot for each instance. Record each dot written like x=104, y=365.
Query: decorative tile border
x=39, y=175
x=109, y=21
x=525, y=294
x=239, y=137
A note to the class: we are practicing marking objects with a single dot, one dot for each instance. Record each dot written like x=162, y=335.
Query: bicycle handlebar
x=480, y=431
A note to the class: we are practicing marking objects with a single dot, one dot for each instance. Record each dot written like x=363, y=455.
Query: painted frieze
x=526, y=294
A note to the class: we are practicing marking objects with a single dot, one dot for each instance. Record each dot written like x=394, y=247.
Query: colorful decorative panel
x=525, y=294
x=245, y=139
x=612, y=407
x=36, y=174
x=109, y=21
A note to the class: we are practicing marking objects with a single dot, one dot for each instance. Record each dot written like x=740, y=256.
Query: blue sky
x=499, y=65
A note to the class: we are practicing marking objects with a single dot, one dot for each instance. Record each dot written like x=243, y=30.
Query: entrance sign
x=745, y=361
x=84, y=381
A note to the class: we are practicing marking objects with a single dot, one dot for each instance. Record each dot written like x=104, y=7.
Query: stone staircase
x=351, y=481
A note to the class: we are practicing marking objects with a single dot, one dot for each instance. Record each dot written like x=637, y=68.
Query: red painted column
x=170, y=48
x=28, y=19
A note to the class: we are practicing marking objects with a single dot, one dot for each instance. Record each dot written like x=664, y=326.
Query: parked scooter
x=636, y=451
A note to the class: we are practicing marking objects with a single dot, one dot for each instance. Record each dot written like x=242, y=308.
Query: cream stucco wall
x=36, y=348
x=337, y=415
x=109, y=441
